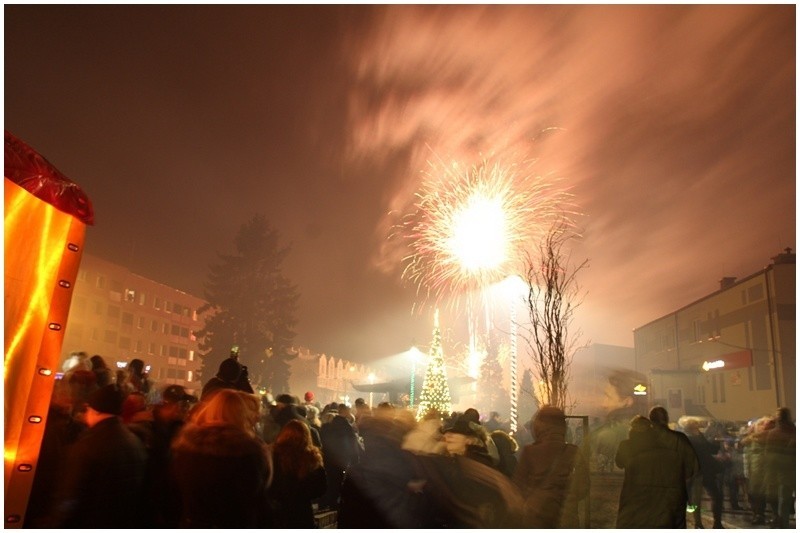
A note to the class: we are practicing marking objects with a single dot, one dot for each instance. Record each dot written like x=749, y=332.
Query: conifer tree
x=492, y=396
x=528, y=403
x=252, y=305
x=435, y=389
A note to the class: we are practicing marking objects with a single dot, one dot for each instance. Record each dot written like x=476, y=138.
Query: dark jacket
x=379, y=492
x=291, y=497
x=781, y=457
x=706, y=450
x=657, y=463
x=102, y=484
x=340, y=447
x=552, y=476
x=466, y=493
x=222, y=475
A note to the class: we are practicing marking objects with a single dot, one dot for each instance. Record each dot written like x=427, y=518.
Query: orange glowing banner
x=43, y=248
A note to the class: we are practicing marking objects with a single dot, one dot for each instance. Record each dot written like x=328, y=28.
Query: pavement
x=731, y=519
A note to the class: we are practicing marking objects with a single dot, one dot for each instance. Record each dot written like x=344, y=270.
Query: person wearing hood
x=552, y=475
x=231, y=375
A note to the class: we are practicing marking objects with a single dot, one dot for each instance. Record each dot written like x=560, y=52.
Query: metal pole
x=513, y=371
x=413, y=373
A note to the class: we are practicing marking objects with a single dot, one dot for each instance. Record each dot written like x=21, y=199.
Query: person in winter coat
x=464, y=488
x=683, y=454
x=230, y=375
x=781, y=467
x=710, y=468
x=381, y=491
x=220, y=468
x=754, y=444
x=654, y=491
x=552, y=475
x=299, y=476
x=341, y=449
x=103, y=478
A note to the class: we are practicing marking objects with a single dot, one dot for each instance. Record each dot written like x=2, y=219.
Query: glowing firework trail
x=472, y=225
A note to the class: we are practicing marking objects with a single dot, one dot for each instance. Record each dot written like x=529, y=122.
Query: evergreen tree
x=435, y=390
x=492, y=396
x=253, y=305
x=528, y=404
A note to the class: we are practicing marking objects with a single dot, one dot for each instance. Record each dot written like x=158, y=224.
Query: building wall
x=121, y=316
x=730, y=355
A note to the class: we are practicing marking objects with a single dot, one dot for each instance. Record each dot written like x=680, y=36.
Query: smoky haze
x=672, y=126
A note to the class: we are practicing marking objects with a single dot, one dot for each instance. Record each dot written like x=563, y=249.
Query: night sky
x=672, y=126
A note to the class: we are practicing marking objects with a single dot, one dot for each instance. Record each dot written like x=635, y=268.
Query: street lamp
x=413, y=354
x=346, y=396
x=371, y=379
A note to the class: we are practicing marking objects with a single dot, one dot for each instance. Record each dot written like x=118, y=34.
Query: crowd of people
x=668, y=472
x=119, y=451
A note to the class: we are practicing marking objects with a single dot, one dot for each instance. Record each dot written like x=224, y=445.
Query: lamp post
x=347, y=397
x=371, y=379
x=413, y=354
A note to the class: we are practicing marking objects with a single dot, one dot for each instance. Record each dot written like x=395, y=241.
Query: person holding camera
x=231, y=375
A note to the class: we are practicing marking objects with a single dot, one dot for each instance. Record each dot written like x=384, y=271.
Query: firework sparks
x=471, y=225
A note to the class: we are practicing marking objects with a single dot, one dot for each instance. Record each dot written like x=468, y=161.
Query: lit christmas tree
x=435, y=390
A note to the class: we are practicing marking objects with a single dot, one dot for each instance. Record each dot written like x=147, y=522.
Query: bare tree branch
x=553, y=296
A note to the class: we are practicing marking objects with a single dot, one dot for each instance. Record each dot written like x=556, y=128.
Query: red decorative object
x=28, y=169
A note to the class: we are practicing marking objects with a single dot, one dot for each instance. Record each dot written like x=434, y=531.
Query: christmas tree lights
x=435, y=390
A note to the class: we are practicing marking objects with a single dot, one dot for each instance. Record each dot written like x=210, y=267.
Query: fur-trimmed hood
x=223, y=441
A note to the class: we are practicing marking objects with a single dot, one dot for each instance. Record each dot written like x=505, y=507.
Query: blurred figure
x=755, y=458
x=507, y=449
x=168, y=417
x=340, y=450
x=467, y=438
x=299, y=476
x=60, y=432
x=708, y=479
x=103, y=480
x=310, y=400
x=136, y=379
x=362, y=409
x=620, y=405
x=230, y=375
x=781, y=467
x=426, y=436
x=287, y=408
x=102, y=373
x=494, y=423
x=552, y=475
x=657, y=467
x=76, y=361
x=380, y=491
x=221, y=469
x=683, y=457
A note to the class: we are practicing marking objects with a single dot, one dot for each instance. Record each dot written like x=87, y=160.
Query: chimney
x=786, y=258
x=726, y=283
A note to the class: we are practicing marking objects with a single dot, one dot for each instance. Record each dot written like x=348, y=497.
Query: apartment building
x=731, y=354
x=121, y=316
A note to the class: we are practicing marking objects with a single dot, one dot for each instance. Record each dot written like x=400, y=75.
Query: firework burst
x=471, y=225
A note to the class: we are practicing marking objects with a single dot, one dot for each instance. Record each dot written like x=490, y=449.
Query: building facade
x=730, y=355
x=331, y=379
x=122, y=316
